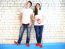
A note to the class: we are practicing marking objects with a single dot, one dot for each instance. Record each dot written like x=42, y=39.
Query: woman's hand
x=38, y=21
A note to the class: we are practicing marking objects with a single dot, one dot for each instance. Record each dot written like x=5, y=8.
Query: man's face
x=28, y=5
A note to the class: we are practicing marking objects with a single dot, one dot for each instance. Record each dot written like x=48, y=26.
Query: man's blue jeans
x=22, y=29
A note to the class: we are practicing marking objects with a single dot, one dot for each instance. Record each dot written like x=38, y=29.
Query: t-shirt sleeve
x=43, y=15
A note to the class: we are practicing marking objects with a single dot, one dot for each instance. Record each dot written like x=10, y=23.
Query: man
x=26, y=22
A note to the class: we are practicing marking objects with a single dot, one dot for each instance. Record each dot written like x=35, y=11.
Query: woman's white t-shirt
x=26, y=13
x=39, y=18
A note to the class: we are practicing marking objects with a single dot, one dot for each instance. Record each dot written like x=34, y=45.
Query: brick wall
x=54, y=27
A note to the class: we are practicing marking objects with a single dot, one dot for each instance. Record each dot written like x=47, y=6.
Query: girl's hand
x=38, y=21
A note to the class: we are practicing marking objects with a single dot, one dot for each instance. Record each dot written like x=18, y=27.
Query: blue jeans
x=22, y=29
x=38, y=31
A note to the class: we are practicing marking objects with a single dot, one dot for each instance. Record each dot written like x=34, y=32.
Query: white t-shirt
x=26, y=15
x=39, y=18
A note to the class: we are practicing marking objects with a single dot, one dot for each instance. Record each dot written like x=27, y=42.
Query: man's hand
x=30, y=24
x=20, y=24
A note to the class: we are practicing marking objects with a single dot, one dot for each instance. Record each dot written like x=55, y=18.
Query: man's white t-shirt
x=26, y=13
x=39, y=18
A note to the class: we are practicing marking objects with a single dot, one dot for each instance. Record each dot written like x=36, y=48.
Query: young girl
x=38, y=24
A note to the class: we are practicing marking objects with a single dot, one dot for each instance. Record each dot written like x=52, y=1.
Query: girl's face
x=38, y=6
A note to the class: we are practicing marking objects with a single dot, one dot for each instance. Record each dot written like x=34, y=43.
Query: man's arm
x=31, y=19
x=20, y=17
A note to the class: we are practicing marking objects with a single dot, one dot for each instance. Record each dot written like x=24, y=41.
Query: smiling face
x=28, y=4
x=38, y=7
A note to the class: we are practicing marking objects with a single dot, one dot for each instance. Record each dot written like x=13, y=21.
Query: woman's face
x=38, y=6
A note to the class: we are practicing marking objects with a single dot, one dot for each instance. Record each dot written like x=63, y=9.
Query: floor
x=32, y=46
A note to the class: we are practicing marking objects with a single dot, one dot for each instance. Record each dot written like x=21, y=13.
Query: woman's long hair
x=36, y=10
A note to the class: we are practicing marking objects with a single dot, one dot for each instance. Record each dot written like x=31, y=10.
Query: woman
x=38, y=24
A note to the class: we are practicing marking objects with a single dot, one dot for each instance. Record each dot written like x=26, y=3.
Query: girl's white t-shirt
x=26, y=13
x=39, y=18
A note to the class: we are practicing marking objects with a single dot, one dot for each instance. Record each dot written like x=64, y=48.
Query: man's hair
x=30, y=2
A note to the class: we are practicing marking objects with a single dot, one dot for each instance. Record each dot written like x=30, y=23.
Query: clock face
x=38, y=21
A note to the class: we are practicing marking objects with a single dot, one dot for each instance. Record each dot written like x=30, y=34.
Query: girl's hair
x=36, y=10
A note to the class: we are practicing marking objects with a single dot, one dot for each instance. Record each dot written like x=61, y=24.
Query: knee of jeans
x=40, y=35
x=29, y=30
x=28, y=35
